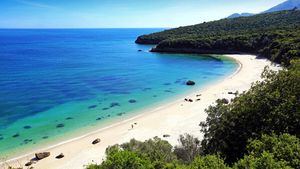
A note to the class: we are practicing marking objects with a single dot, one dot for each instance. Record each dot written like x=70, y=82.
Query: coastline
x=175, y=118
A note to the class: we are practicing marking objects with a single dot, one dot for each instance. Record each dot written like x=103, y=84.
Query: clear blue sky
x=120, y=13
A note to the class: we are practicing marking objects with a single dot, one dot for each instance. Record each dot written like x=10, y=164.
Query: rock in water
x=96, y=141
x=42, y=155
x=61, y=155
x=60, y=125
x=132, y=101
x=190, y=83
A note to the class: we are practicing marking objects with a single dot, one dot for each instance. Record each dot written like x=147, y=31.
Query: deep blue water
x=49, y=78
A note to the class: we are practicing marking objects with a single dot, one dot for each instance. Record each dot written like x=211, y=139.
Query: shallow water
x=54, y=82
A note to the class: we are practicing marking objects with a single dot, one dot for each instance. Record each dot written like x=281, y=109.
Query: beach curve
x=175, y=118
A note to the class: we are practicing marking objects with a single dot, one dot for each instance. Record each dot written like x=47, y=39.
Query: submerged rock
x=40, y=156
x=114, y=104
x=132, y=101
x=60, y=125
x=190, y=83
x=96, y=141
x=92, y=106
x=120, y=114
x=27, y=141
x=16, y=135
x=61, y=155
x=27, y=127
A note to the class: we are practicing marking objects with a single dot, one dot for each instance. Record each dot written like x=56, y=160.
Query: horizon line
x=99, y=28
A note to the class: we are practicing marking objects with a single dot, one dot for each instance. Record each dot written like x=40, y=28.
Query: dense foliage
x=267, y=152
x=272, y=35
x=271, y=106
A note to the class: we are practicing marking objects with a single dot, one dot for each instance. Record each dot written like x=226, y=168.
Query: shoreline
x=74, y=149
x=89, y=130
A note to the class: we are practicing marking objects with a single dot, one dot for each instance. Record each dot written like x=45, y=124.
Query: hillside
x=287, y=5
x=272, y=35
x=236, y=15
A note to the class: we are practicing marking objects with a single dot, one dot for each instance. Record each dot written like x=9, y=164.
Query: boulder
x=132, y=101
x=42, y=155
x=225, y=101
x=96, y=141
x=190, y=83
x=166, y=135
x=61, y=155
x=28, y=164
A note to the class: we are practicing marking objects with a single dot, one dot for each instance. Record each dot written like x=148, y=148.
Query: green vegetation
x=274, y=152
x=275, y=36
x=271, y=106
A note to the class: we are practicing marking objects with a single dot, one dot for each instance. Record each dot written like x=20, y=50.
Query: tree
x=123, y=159
x=188, y=148
x=208, y=162
x=270, y=106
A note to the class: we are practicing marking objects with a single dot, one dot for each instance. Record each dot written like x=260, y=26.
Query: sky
x=121, y=13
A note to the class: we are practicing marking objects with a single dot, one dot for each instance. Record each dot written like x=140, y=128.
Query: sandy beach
x=175, y=118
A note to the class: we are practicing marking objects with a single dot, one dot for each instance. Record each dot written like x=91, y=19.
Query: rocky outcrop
x=146, y=40
x=28, y=164
x=40, y=156
x=96, y=141
x=190, y=83
x=61, y=155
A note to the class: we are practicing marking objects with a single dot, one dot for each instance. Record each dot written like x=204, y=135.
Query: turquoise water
x=56, y=82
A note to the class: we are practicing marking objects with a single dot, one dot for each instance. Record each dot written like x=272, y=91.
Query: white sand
x=176, y=118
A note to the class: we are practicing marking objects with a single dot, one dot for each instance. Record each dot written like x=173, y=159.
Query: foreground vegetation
x=274, y=152
x=275, y=36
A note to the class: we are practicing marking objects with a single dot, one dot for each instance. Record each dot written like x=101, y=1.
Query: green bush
x=271, y=106
x=265, y=161
x=282, y=148
x=188, y=148
x=208, y=162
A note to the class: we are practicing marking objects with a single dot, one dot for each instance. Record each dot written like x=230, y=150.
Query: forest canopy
x=275, y=36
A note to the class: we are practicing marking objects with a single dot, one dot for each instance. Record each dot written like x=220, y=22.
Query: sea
x=56, y=84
